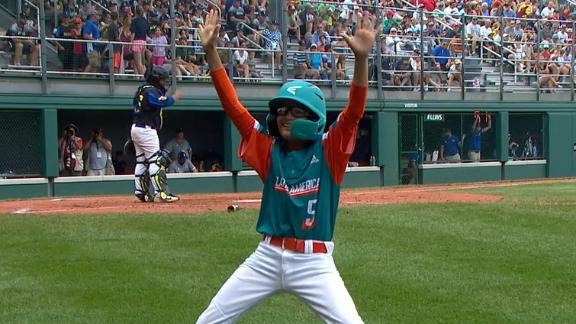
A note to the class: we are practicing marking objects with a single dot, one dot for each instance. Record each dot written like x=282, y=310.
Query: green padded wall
x=460, y=174
x=385, y=137
x=560, y=140
x=527, y=171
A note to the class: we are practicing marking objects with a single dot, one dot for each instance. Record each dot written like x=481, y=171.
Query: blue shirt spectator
x=272, y=37
x=451, y=145
x=91, y=28
x=327, y=60
x=441, y=55
x=475, y=141
x=91, y=31
x=450, y=148
x=319, y=32
x=315, y=59
x=508, y=11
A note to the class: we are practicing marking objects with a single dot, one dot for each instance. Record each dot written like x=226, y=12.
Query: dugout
x=395, y=131
x=521, y=144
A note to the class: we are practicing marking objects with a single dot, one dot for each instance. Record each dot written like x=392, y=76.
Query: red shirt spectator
x=545, y=54
x=429, y=5
x=75, y=34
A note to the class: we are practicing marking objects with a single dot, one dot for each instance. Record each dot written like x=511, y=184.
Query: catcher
x=151, y=163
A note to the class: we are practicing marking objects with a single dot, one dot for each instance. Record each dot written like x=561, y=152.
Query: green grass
x=513, y=261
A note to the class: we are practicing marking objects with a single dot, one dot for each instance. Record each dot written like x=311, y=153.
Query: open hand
x=177, y=95
x=209, y=30
x=363, y=40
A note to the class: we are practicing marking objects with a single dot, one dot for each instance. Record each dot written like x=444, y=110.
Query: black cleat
x=144, y=198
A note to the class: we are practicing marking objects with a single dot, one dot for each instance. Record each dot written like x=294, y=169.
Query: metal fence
x=20, y=143
x=498, y=62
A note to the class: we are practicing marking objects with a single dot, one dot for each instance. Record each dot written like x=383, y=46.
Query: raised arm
x=340, y=141
x=361, y=45
x=208, y=34
x=474, y=125
x=240, y=116
x=255, y=145
x=489, y=126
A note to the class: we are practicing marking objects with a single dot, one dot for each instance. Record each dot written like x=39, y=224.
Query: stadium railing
x=500, y=66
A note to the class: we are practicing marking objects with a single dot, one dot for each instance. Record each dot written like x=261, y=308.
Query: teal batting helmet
x=311, y=97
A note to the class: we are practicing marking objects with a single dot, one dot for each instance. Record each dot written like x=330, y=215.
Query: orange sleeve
x=340, y=140
x=255, y=146
x=256, y=151
x=240, y=116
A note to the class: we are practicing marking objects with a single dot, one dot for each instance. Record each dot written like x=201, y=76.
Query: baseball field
x=508, y=256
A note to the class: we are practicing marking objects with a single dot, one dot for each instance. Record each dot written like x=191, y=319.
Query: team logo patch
x=314, y=159
x=293, y=89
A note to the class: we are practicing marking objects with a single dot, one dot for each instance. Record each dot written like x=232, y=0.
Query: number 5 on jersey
x=310, y=222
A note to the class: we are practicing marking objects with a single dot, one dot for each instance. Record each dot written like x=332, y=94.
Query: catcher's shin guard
x=157, y=169
x=142, y=191
x=142, y=180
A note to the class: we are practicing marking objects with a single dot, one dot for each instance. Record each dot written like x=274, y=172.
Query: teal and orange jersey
x=301, y=188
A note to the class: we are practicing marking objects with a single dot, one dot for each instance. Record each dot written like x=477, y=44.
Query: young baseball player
x=302, y=169
x=151, y=163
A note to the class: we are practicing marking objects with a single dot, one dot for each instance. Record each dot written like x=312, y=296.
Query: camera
x=70, y=130
x=96, y=132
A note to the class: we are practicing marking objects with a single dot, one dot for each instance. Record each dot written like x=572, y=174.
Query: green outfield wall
x=526, y=170
x=460, y=172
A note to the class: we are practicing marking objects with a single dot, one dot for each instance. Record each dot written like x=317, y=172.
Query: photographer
x=70, y=147
x=98, y=149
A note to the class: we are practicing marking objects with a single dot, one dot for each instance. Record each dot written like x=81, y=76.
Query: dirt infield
x=220, y=202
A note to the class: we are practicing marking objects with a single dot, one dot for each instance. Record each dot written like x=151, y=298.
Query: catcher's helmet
x=308, y=95
x=156, y=73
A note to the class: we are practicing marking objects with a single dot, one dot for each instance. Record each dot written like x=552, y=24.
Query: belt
x=297, y=245
x=142, y=125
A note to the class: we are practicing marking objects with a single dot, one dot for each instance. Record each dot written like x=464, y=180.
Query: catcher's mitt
x=129, y=148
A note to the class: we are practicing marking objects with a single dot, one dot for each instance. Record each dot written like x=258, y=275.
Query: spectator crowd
x=434, y=36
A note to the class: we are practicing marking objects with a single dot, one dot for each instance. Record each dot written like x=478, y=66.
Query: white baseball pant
x=270, y=270
x=147, y=144
x=145, y=140
x=474, y=156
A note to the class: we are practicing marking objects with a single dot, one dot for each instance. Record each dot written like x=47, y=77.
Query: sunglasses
x=297, y=112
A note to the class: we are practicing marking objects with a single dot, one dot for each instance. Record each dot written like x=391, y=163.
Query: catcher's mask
x=303, y=94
